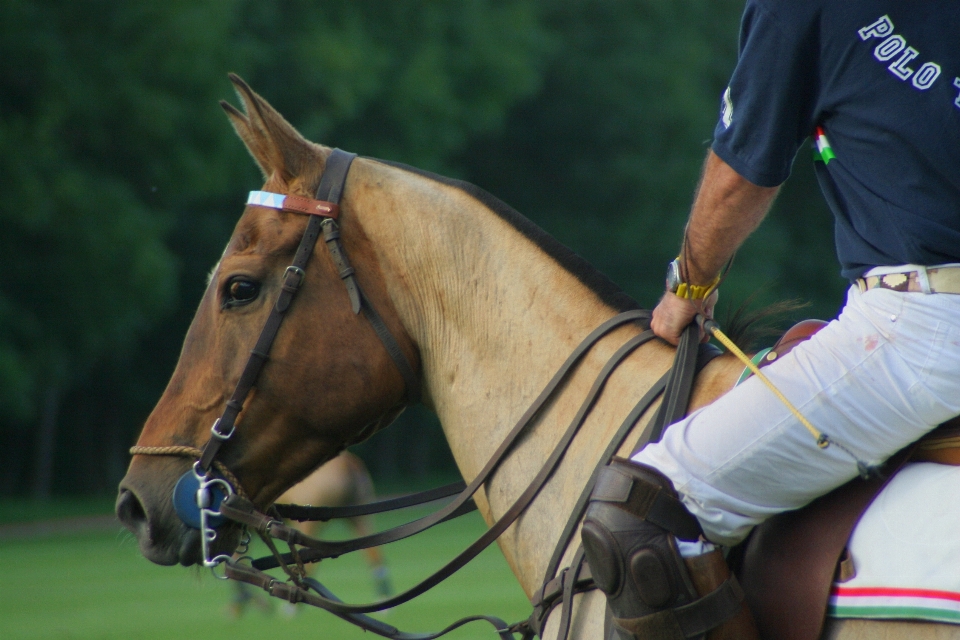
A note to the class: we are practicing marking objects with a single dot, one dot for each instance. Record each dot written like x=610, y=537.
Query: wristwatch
x=677, y=286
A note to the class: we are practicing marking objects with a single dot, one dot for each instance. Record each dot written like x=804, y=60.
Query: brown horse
x=484, y=304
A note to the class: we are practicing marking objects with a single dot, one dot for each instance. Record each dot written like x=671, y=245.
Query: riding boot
x=632, y=523
x=708, y=571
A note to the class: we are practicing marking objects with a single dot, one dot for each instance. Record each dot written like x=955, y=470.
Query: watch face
x=673, y=276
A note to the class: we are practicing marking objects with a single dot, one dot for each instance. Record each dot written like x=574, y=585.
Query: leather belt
x=939, y=280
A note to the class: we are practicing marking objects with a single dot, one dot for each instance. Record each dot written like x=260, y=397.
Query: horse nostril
x=130, y=511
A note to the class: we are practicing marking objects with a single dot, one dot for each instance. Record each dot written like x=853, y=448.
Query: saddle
x=789, y=563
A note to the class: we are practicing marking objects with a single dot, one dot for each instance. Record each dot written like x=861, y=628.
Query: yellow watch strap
x=696, y=291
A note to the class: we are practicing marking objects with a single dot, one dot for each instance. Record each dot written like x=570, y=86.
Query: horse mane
x=608, y=292
x=747, y=327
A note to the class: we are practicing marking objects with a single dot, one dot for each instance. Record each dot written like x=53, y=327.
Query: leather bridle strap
x=359, y=301
x=676, y=397
x=322, y=218
x=569, y=580
x=704, y=355
x=294, y=594
x=319, y=548
x=508, y=518
x=331, y=184
x=306, y=513
x=223, y=428
x=581, y=506
x=560, y=589
x=549, y=595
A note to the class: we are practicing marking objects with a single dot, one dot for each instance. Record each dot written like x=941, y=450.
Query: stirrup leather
x=689, y=621
x=629, y=537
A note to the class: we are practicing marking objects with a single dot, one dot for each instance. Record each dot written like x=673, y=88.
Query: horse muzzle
x=147, y=510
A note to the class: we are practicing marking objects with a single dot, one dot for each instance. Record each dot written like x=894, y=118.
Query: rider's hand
x=673, y=314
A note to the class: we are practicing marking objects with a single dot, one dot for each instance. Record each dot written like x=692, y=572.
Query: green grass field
x=97, y=585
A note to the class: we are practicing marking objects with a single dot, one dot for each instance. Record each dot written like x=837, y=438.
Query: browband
x=294, y=204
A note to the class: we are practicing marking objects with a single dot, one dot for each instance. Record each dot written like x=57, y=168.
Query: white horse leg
x=889, y=630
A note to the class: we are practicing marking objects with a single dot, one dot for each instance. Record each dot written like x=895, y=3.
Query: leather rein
x=218, y=498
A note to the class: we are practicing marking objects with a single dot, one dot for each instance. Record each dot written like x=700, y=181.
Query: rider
x=877, y=85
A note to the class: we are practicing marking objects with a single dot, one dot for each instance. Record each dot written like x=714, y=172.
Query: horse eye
x=240, y=291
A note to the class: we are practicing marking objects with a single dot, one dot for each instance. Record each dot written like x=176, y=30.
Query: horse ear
x=275, y=145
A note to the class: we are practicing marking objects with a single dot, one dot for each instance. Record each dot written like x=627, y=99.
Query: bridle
x=199, y=492
x=323, y=212
x=205, y=500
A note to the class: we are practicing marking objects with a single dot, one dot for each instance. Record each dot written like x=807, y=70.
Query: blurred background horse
x=340, y=482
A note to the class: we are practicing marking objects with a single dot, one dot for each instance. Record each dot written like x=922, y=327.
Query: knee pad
x=628, y=537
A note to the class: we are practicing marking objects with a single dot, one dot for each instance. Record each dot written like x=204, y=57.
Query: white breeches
x=882, y=374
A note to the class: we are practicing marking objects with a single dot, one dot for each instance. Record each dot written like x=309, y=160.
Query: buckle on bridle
x=222, y=436
x=298, y=273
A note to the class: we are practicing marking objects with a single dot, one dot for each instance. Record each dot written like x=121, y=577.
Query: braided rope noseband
x=191, y=452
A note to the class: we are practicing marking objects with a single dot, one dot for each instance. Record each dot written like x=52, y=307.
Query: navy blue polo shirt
x=881, y=81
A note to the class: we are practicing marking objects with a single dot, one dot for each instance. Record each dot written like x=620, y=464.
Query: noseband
x=199, y=492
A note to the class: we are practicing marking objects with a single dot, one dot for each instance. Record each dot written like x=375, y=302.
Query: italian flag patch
x=822, y=151
x=880, y=603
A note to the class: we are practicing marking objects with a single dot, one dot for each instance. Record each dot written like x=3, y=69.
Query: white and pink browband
x=295, y=204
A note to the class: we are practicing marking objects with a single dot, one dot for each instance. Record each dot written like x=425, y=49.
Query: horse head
x=327, y=383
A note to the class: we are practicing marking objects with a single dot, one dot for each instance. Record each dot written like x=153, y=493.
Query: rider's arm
x=726, y=210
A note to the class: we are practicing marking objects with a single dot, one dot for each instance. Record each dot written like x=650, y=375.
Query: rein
x=574, y=579
x=216, y=498
x=234, y=507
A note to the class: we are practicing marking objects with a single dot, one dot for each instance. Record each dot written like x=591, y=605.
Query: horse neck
x=494, y=317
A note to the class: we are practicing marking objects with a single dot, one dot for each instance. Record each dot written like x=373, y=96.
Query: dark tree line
x=122, y=179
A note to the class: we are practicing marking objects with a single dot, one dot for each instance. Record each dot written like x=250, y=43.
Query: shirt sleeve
x=767, y=109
